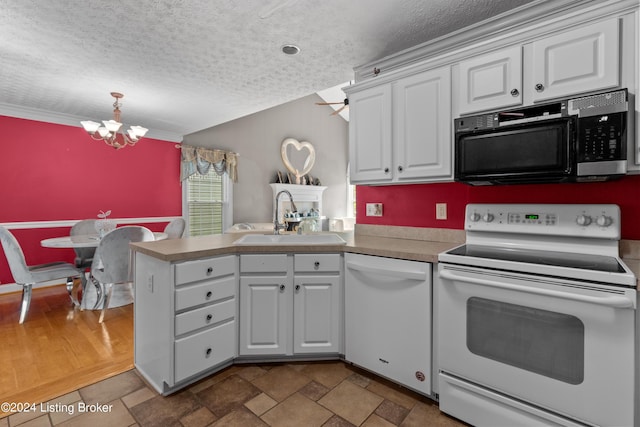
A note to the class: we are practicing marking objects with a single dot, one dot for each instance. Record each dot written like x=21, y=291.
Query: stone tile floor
x=329, y=394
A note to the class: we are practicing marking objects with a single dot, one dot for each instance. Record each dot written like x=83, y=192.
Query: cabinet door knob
x=386, y=170
x=209, y=294
x=209, y=317
x=400, y=168
x=209, y=270
x=316, y=265
x=297, y=288
x=281, y=288
x=208, y=352
x=515, y=92
x=539, y=87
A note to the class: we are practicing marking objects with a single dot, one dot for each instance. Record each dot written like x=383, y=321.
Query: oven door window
x=541, y=149
x=539, y=341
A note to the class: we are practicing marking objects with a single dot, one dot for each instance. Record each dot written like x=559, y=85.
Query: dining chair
x=175, y=228
x=26, y=275
x=112, y=261
x=84, y=256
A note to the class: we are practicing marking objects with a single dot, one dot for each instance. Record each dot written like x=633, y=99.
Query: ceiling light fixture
x=290, y=49
x=109, y=132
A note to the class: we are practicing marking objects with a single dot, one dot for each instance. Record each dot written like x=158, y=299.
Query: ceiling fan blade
x=338, y=110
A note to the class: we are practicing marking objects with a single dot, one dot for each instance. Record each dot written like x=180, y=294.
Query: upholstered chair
x=27, y=276
x=84, y=256
x=175, y=228
x=112, y=261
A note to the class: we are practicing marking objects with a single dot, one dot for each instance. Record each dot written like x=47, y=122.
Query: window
x=207, y=203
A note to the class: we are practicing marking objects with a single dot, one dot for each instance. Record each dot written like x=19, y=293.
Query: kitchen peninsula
x=203, y=303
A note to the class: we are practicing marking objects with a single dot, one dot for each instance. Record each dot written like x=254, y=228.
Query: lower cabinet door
x=316, y=314
x=265, y=320
x=199, y=352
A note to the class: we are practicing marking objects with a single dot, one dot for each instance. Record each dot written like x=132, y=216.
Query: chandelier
x=109, y=132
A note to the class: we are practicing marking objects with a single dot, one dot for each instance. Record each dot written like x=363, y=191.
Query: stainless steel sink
x=289, y=239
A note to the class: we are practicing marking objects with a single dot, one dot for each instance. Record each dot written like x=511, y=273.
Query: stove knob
x=487, y=217
x=474, y=217
x=583, y=220
x=604, y=221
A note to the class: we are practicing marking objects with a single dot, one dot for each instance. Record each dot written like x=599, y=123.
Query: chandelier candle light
x=109, y=132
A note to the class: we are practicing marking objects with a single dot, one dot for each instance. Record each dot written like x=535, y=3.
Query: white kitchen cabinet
x=370, y=117
x=185, y=319
x=317, y=303
x=388, y=318
x=401, y=131
x=422, y=126
x=490, y=81
x=265, y=304
x=290, y=304
x=580, y=60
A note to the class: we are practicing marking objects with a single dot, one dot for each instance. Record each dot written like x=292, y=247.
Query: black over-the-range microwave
x=574, y=140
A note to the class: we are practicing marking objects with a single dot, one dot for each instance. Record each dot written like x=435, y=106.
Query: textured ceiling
x=186, y=65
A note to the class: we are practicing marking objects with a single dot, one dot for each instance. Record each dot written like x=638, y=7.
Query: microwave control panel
x=602, y=137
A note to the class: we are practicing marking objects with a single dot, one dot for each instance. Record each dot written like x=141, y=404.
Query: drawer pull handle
x=208, y=352
x=316, y=265
x=209, y=270
x=209, y=294
x=209, y=317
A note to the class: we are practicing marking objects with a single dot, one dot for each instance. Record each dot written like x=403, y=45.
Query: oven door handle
x=616, y=301
x=385, y=271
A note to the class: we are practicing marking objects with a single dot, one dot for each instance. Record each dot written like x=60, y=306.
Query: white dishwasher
x=388, y=318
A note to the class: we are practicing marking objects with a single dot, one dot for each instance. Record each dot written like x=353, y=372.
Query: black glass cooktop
x=560, y=259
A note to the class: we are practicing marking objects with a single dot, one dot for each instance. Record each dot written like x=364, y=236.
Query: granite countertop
x=410, y=243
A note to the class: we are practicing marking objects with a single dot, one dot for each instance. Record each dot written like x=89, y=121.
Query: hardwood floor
x=59, y=348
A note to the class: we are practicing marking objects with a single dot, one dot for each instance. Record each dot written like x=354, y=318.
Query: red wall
x=54, y=172
x=414, y=205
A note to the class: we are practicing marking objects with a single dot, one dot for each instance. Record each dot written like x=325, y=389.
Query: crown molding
x=514, y=26
x=36, y=114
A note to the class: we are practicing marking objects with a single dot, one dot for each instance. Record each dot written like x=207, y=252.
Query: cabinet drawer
x=204, y=350
x=204, y=316
x=316, y=263
x=267, y=263
x=206, y=292
x=210, y=268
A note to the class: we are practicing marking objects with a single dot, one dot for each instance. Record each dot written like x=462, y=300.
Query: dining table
x=92, y=297
x=83, y=241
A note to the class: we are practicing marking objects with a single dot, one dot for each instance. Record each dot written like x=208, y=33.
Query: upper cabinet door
x=422, y=126
x=491, y=81
x=581, y=60
x=370, y=134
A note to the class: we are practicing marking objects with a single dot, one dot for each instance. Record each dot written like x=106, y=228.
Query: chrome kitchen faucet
x=276, y=223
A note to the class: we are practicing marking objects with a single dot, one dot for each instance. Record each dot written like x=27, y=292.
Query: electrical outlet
x=374, y=209
x=441, y=211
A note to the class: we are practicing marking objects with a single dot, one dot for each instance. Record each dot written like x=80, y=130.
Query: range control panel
x=580, y=220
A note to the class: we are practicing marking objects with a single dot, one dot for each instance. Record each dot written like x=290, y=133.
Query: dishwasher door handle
x=615, y=301
x=382, y=271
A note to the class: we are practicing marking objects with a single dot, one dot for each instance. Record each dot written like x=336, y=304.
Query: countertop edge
x=192, y=248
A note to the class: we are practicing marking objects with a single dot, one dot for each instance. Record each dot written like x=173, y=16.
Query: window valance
x=200, y=160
